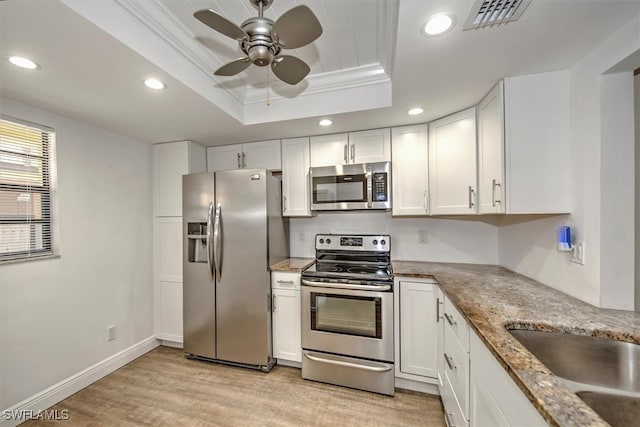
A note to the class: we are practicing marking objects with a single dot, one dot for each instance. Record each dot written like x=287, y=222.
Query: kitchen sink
x=584, y=359
x=617, y=410
x=604, y=373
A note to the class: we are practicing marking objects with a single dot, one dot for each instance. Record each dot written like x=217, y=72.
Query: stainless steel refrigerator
x=233, y=231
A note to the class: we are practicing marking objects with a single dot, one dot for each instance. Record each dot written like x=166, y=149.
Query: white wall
x=469, y=240
x=637, y=196
x=528, y=246
x=54, y=313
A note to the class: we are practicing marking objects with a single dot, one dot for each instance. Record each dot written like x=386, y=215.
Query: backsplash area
x=460, y=239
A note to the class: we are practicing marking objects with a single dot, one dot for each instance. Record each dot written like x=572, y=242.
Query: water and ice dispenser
x=197, y=241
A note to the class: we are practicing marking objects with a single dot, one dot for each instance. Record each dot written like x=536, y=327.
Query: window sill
x=21, y=260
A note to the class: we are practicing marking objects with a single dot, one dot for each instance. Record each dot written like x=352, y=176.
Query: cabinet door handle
x=285, y=282
x=471, y=197
x=244, y=160
x=284, y=198
x=449, y=319
x=438, y=310
x=494, y=184
x=449, y=361
x=353, y=154
x=239, y=165
x=426, y=201
x=346, y=150
x=273, y=303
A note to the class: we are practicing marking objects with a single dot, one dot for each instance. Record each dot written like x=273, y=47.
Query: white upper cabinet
x=537, y=143
x=524, y=145
x=171, y=160
x=410, y=171
x=491, y=152
x=295, y=177
x=262, y=154
x=452, y=164
x=355, y=147
x=330, y=150
x=224, y=157
x=370, y=146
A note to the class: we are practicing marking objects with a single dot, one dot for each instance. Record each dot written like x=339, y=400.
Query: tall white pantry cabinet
x=170, y=161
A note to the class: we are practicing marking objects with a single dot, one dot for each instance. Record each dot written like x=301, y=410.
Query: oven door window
x=343, y=188
x=346, y=314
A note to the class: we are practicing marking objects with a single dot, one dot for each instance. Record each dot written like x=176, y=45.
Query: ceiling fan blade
x=233, y=67
x=220, y=24
x=289, y=69
x=296, y=28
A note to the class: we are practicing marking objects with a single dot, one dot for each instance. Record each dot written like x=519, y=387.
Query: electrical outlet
x=301, y=236
x=111, y=332
x=422, y=236
x=577, y=255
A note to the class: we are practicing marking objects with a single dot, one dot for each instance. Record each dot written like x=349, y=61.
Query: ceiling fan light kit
x=262, y=40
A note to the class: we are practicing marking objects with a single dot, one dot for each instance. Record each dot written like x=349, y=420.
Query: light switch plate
x=577, y=255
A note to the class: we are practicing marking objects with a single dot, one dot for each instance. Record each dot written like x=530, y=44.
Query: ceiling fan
x=262, y=40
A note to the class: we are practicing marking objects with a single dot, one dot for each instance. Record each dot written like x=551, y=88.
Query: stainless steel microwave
x=351, y=187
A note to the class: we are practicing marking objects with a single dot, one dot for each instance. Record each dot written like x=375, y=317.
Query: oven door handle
x=348, y=364
x=346, y=286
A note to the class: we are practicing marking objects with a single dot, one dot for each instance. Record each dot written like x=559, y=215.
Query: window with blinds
x=27, y=190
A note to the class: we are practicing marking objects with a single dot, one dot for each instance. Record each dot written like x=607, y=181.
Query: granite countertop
x=292, y=264
x=493, y=298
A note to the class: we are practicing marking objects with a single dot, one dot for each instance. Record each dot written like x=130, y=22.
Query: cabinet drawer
x=285, y=280
x=452, y=412
x=456, y=323
x=456, y=366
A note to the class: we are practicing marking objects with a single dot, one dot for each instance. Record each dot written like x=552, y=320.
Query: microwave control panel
x=380, y=186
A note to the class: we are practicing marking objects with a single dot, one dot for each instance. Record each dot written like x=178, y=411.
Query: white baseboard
x=417, y=386
x=284, y=362
x=31, y=406
x=173, y=344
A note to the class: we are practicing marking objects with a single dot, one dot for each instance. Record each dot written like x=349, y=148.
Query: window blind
x=27, y=190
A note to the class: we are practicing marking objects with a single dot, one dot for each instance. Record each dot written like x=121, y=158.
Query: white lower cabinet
x=440, y=335
x=455, y=387
x=285, y=306
x=168, y=278
x=416, y=324
x=495, y=399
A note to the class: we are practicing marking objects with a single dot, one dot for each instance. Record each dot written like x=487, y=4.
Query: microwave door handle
x=209, y=239
x=369, y=188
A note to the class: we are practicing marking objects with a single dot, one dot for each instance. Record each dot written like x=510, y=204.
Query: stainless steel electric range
x=347, y=313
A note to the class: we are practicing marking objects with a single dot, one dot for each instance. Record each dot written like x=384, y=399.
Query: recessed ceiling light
x=325, y=122
x=415, y=111
x=22, y=62
x=437, y=25
x=153, y=83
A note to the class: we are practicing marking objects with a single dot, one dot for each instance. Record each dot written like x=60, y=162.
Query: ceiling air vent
x=487, y=13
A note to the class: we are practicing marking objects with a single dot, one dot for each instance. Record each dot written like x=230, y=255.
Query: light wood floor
x=163, y=388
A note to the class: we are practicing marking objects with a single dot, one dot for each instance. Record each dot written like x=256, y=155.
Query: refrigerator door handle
x=217, y=237
x=209, y=243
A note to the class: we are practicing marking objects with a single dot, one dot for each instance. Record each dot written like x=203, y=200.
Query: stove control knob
x=328, y=241
x=321, y=241
x=383, y=242
x=375, y=243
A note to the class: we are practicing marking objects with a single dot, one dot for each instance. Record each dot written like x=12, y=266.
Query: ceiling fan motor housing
x=260, y=47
